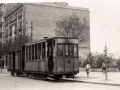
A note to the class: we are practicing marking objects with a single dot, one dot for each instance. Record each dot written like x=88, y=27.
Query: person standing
x=103, y=67
x=88, y=67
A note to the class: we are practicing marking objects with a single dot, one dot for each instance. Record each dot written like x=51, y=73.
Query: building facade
x=39, y=20
x=2, y=9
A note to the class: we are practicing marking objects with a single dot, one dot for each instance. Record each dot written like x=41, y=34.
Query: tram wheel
x=58, y=77
x=18, y=74
x=68, y=75
x=12, y=73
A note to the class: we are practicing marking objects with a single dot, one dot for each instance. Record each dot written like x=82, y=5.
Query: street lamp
x=106, y=68
x=105, y=50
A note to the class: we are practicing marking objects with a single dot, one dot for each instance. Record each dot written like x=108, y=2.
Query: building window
x=6, y=32
x=20, y=25
x=15, y=28
x=20, y=13
x=10, y=33
x=6, y=22
x=15, y=15
x=10, y=19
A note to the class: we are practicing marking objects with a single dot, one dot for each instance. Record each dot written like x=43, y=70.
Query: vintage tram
x=56, y=57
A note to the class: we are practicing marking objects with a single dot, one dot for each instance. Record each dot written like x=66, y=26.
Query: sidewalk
x=113, y=78
x=4, y=71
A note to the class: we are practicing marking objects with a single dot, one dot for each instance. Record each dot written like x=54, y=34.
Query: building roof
x=59, y=4
x=15, y=6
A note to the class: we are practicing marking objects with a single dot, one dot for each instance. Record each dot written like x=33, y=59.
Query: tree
x=118, y=64
x=72, y=26
x=15, y=44
x=89, y=59
x=20, y=40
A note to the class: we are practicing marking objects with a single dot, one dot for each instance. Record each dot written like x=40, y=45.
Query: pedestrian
x=103, y=67
x=88, y=67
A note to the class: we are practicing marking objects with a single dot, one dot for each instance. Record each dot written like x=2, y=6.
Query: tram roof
x=47, y=38
x=61, y=37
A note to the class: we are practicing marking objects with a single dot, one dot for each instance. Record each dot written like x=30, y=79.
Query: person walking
x=103, y=67
x=88, y=67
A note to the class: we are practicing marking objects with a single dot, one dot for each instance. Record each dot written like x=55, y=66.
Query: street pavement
x=113, y=78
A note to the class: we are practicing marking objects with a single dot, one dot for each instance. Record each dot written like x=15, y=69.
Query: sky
x=104, y=21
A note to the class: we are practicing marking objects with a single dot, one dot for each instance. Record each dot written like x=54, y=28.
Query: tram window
x=32, y=52
x=54, y=42
x=39, y=50
x=49, y=50
x=35, y=51
x=75, y=51
x=29, y=52
x=43, y=50
x=68, y=50
x=60, y=50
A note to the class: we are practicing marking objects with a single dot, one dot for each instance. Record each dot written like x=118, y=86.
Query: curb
x=99, y=83
x=94, y=82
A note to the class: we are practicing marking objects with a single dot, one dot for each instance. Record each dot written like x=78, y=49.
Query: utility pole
x=105, y=50
x=31, y=31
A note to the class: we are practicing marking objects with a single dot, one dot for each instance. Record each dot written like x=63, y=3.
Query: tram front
x=67, y=60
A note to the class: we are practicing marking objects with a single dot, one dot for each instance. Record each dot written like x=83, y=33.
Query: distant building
x=18, y=18
x=2, y=9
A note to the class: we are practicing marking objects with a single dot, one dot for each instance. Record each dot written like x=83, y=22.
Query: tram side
x=55, y=56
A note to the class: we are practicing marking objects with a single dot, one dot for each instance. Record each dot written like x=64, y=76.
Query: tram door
x=50, y=55
x=69, y=60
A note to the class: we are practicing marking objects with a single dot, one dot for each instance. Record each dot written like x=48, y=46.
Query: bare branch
x=72, y=27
